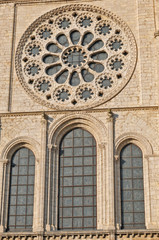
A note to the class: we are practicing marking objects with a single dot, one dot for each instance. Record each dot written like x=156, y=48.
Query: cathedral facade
x=79, y=119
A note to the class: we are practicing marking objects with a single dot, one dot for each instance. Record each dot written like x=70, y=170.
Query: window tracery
x=64, y=53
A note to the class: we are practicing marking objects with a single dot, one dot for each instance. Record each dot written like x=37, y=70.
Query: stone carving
x=75, y=57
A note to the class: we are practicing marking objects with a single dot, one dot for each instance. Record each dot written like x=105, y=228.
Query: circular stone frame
x=111, y=52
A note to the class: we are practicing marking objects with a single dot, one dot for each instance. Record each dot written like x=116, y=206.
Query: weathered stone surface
x=135, y=118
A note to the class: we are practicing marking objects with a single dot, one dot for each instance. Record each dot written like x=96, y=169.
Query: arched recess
x=5, y=164
x=18, y=142
x=56, y=133
x=65, y=124
x=147, y=150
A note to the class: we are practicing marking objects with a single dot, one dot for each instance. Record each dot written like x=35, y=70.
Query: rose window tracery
x=77, y=57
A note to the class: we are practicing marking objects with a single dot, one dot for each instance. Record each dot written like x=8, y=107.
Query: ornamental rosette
x=75, y=57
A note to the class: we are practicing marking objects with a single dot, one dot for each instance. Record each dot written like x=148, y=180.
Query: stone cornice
x=38, y=1
x=83, y=234
x=106, y=110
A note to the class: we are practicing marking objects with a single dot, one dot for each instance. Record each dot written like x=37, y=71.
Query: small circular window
x=75, y=57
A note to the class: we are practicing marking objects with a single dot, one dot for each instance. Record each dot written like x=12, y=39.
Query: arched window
x=21, y=192
x=77, y=192
x=132, y=190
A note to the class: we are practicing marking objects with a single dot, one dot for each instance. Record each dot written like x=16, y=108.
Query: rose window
x=75, y=57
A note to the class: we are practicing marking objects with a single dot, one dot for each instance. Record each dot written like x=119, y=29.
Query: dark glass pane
x=87, y=38
x=127, y=206
x=67, y=181
x=53, y=69
x=87, y=76
x=125, y=162
x=67, y=201
x=23, y=170
x=138, y=184
x=99, y=56
x=50, y=59
x=78, y=171
x=77, y=223
x=88, y=211
x=78, y=181
x=126, y=173
x=138, y=195
x=88, y=171
x=68, y=152
x=75, y=80
x=78, y=132
x=88, y=201
x=21, y=194
x=67, y=171
x=78, y=142
x=77, y=190
x=136, y=152
x=67, y=161
x=67, y=222
x=88, y=191
x=77, y=201
x=67, y=212
x=128, y=217
x=137, y=162
x=88, y=141
x=97, y=67
x=96, y=45
x=75, y=37
x=126, y=151
x=88, y=151
x=88, y=161
x=137, y=173
x=62, y=77
x=78, y=161
x=132, y=192
x=77, y=211
x=126, y=184
x=88, y=222
x=62, y=39
x=138, y=207
x=78, y=151
x=139, y=217
x=67, y=191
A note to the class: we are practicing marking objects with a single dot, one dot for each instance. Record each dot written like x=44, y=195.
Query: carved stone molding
x=156, y=34
x=4, y=161
x=116, y=157
x=102, y=145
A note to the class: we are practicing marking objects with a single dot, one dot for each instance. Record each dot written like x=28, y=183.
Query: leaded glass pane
x=77, y=192
x=77, y=211
x=132, y=192
x=21, y=193
x=67, y=201
x=77, y=223
x=78, y=171
x=78, y=161
x=67, y=191
x=77, y=181
x=67, y=222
